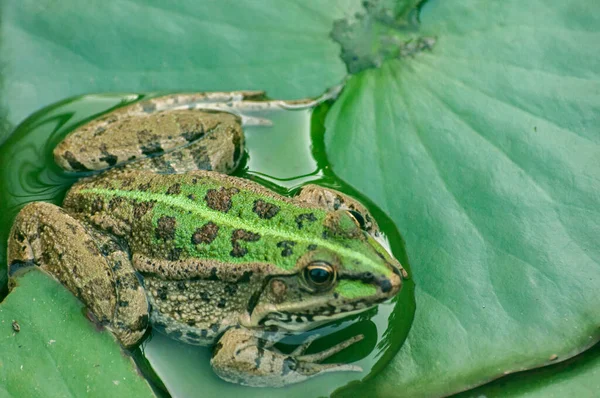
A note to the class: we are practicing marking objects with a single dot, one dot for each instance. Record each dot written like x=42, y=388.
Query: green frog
x=161, y=235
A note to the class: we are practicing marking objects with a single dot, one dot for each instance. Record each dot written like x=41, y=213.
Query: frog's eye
x=319, y=275
x=360, y=220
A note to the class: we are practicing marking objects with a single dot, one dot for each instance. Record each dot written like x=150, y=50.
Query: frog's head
x=344, y=272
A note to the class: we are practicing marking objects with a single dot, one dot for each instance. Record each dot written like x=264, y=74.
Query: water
x=284, y=156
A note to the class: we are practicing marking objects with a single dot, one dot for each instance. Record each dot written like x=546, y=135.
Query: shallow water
x=283, y=157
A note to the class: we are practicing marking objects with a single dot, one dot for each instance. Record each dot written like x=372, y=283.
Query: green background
x=478, y=120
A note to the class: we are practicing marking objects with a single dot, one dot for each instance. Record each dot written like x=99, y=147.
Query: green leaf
x=485, y=151
x=53, y=50
x=576, y=377
x=58, y=352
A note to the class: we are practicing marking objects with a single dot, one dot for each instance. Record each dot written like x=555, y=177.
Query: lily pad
x=576, y=377
x=489, y=148
x=54, y=50
x=49, y=349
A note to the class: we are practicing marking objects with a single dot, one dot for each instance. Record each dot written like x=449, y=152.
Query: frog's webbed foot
x=241, y=357
x=89, y=264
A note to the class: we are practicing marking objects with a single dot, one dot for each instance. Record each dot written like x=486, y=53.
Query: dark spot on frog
x=312, y=247
x=141, y=208
x=264, y=209
x=337, y=202
x=127, y=182
x=205, y=297
x=287, y=246
x=109, y=158
x=214, y=327
x=222, y=302
x=192, y=335
x=97, y=205
x=204, y=333
x=162, y=165
x=144, y=187
x=149, y=143
x=99, y=131
x=174, y=254
x=123, y=303
x=302, y=218
x=175, y=334
x=205, y=234
x=181, y=286
x=193, y=135
x=230, y=289
x=191, y=322
x=165, y=228
x=220, y=200
x=245, y=278
x=201, y=158
x=162, y=293
x=73, y=162
x=116, y=203
x=191, y=197
x=241, y=235
x=213, y=274
x=174, y=189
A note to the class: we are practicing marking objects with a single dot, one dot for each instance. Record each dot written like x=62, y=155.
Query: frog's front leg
x=91, y=265
x=242, y=357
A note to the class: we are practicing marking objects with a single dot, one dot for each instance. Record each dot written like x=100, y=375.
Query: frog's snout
x=391, y=285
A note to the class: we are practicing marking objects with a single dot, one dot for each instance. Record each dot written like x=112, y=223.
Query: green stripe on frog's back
x=205, y=220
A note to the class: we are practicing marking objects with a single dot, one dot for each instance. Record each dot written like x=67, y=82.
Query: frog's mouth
x=304, y=315
x=301, y=322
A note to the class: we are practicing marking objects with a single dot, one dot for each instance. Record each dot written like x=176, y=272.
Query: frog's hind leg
x=95, y=269
x=219, y=148
x=193, y=138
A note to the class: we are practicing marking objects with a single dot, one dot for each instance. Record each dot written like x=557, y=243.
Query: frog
x=158, y=235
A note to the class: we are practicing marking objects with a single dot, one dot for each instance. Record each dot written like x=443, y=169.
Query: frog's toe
x=311, y=369
x=320, y=356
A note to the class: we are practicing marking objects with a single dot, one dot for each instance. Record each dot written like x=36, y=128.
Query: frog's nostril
x=395, y=283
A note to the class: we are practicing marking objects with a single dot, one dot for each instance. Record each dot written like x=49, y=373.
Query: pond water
x=283, y=157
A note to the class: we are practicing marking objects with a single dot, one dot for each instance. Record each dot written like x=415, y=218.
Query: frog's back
x=198, y=215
